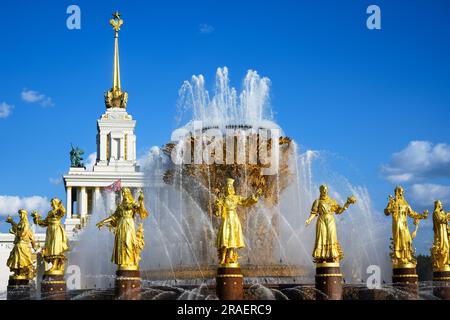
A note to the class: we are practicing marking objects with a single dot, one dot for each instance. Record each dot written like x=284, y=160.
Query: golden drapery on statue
x=20, y=261
x=56, y=242
x=402, y=249
x=327, y=248
x=230, y=236
x=441, y=249
x=128, y=243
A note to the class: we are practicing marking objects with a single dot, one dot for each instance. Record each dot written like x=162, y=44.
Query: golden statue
x=128, y=243
x=20, y=261
x=327, y=248
x=440, y=250
x=230, y=237
x=56, y=242
x=402, y=249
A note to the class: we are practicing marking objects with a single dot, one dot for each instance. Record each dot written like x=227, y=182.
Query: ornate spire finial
x=115, y=98
x=116, y=22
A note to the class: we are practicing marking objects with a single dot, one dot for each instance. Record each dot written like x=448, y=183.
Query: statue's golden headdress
x=126, y=194
x=399, y=189
x=230, y=182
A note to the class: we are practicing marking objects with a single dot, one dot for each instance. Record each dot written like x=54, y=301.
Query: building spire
x=115, y=98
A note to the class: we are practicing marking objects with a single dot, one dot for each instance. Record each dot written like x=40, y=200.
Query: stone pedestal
x=53, y=287
x=18, y=289
x=405, y=278
x=128, y=285
x=328, y=281
x=441, y=284
x=230, y=282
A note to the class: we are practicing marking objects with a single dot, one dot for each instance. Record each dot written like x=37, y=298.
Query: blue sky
x=336, y=86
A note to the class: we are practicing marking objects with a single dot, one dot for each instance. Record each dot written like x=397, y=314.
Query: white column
x=69, y=202
x=122, y=148
x=114, y=146
x=103, y=145
x=133, y=148
x=82, y=202
x=96, y=200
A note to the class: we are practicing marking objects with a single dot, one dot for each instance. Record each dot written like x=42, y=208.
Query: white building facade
x=116, y=160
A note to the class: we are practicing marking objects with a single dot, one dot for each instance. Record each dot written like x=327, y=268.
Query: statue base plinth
x=328, y=281
x=230, y=282
x=405, y=278
x=441, y=284
x=128, y=285
x=18, y=289
x=53, y=287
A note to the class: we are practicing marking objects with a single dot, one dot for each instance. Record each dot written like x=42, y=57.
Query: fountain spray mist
x=181, y=230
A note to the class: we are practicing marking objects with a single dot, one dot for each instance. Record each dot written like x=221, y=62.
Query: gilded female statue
x=440, y=250
x=230, y=237
x=128, y=243
x=56, y=242
x=327, y=248
x=402, y=249
x=20, y=260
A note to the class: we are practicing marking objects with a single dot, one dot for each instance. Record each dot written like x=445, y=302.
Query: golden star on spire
x=116, y=15
x=116, y=22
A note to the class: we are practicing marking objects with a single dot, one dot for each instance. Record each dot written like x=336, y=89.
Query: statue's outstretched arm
x=110, y=221
x=390, y=207
x=13, y=224
x=350, y=200
x=250, y=201
x=415, y=215
x=141, y=210
x=37, y=219
x=218, y=207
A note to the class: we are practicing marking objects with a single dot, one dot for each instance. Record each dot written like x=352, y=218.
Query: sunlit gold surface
x=404, y=266
x=328, y=265
x=20, y=261
x=54, y=272
x=443, y=269
x=327, y=248
x=189, y=273
x=440, y=250
x=229, y=265
x=402, y=250
x=230, y=237
x=115, y=98
x=56, y=242
x=128, y=243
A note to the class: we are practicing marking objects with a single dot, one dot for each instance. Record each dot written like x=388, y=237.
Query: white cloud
x=9, y=205
x=425, y=194
x=206, y=28
x=33, y=96
x=420, y=160
x=92, y=158
x=5, y=110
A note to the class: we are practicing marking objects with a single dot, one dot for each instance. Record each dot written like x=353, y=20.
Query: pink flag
x=116, y=186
